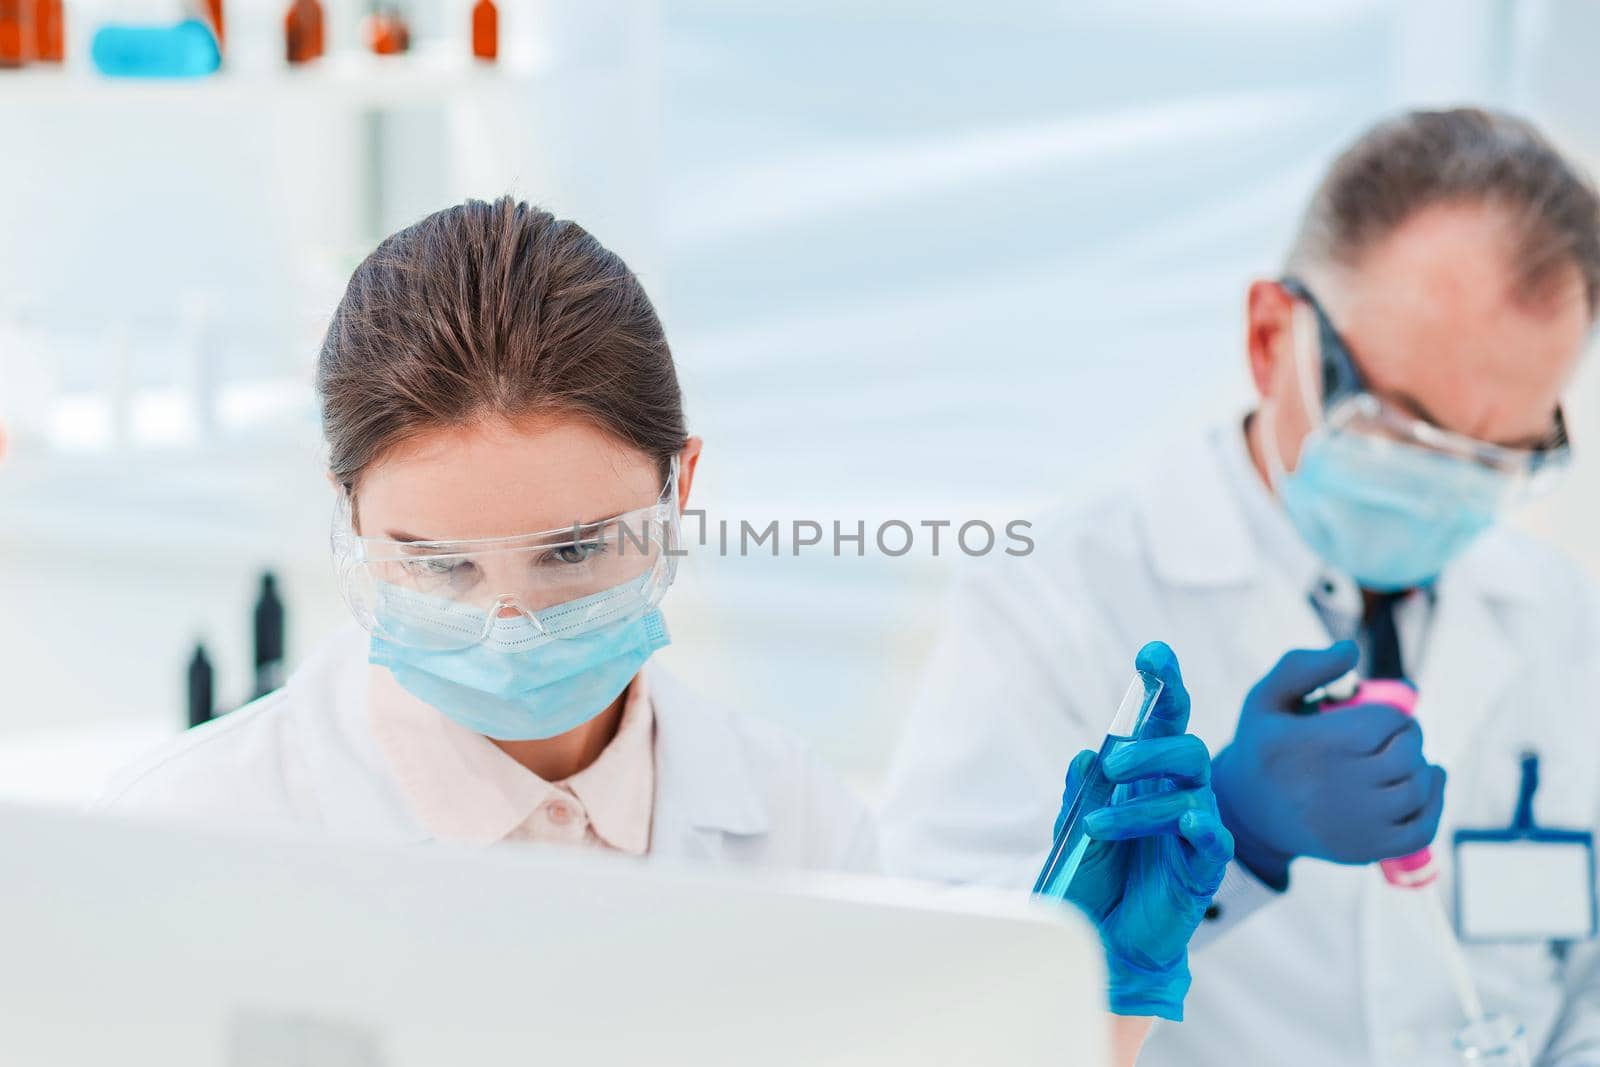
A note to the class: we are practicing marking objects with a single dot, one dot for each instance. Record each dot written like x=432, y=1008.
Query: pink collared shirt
x=463, y=788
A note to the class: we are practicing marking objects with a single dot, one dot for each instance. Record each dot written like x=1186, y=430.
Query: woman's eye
x=580, y=552
x=456, y=572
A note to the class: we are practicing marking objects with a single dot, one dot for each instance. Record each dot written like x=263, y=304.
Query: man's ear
x=688, y=460
x=1269, y=332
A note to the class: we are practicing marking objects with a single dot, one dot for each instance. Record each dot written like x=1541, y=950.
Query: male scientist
x=1410, y=362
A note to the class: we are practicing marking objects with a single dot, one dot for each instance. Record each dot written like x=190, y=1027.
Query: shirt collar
x=618, y=788
x=463, y=788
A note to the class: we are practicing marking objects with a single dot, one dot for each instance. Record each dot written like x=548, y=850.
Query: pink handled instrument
x=1407, y=872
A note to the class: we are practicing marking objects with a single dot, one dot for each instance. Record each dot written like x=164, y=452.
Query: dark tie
x=1383, y=639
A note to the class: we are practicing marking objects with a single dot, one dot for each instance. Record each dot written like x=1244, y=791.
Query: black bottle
x=269, y=637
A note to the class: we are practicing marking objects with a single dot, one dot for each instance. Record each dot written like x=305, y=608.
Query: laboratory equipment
x=16, y=32
x=485, y=30
x=211, y=10
x=1285, y=776
x=1418, y=870
x=1493, y=1041
x=302, y=31
x=48, y=33
x=187, y=49
x=202, y=688
x=1347, y=691
x=1095, y=791
x=181, y=946
x=388, y=32
x=268, y=631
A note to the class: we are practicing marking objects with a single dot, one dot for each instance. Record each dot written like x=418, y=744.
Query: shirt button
x=559, y=812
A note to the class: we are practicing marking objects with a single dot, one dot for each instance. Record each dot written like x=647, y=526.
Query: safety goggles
x=556, y=584
x=1348, y=404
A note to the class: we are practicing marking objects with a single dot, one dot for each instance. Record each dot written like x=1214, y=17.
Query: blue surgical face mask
x=521, y=684
x=1389, y=515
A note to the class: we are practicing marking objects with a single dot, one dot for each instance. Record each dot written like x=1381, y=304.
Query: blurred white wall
x=918, y=261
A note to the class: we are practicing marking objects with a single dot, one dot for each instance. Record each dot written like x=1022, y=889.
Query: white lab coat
x=729, y=788
x=1338, y=970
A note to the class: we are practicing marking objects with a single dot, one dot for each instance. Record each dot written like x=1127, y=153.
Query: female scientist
x=508, y=451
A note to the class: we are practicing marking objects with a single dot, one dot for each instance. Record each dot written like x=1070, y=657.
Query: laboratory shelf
x=433, y=73
x=233, y=500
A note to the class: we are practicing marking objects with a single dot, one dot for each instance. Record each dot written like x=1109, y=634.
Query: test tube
x=1492, y=1041
x=1094, y=792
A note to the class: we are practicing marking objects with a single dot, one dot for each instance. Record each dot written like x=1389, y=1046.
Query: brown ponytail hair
x=493, y=310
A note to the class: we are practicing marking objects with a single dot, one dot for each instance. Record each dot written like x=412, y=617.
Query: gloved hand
x=1351, y=787
x=1158, y=851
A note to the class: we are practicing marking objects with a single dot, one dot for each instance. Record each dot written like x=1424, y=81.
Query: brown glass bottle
x=302, y=31
x=213, y=12
x=485, y=30
x=388, y=33
x=49, y=34
x=16, y=32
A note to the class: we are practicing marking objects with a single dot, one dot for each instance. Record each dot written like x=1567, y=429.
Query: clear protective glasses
x=1348, y=403
x=511, y=591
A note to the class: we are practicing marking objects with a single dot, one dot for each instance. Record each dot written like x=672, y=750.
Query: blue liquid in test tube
x=1095, y=791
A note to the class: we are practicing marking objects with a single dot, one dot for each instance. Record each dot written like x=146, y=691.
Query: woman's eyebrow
x=579, y=525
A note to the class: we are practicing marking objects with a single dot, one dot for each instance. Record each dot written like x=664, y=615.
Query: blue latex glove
x=1158, y=854
x=1351, y=787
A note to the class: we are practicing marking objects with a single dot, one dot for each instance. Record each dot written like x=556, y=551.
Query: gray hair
x=1465, y=155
